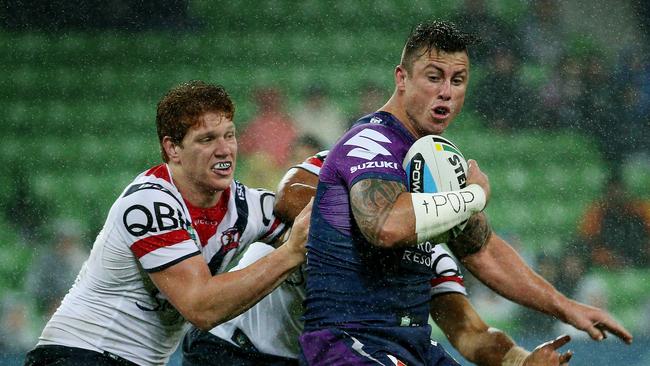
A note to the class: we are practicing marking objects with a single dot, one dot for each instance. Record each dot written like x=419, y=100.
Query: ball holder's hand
x=596, y=322
x=476, y=176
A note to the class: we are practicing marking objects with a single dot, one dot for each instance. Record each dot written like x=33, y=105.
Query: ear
x=171, y=149
x=400, y=77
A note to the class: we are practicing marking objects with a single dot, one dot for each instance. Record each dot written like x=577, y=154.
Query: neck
x=193, y=193
x=395, y=107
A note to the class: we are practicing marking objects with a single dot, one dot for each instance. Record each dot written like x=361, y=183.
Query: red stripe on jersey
x=276, y=223
x=206, y=220
x=151, y=243
x=436, y=281
x=160, y=171
x=315, y=160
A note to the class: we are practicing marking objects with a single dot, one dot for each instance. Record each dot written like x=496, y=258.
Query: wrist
x=560, y=306
x=515, y=357
x=295, y=255
x=480, y=198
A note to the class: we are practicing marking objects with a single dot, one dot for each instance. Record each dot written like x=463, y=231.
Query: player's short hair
x=437, y=34
x=183, y=105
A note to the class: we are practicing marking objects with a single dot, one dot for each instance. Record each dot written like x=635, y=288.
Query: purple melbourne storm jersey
x=350, y=281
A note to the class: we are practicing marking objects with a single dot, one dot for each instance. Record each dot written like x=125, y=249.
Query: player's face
x=434, y=90
x=208, y=153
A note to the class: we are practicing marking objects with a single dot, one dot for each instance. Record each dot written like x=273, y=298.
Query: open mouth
x=441, y=111
x=222, y=165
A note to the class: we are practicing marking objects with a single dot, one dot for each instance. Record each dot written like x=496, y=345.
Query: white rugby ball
x=434, y=164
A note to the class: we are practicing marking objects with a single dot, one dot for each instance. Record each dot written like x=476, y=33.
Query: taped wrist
x=437, y=213
x=515, y=357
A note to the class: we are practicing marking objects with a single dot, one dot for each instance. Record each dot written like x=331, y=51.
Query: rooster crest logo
x=229, y=237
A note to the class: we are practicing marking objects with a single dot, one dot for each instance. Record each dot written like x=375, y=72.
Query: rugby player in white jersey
x=156, y=265
x=267, y=334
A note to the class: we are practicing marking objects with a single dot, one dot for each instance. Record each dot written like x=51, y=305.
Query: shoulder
x=150, y=204
x=376, y=135
x=148, y=192
x=366, y=151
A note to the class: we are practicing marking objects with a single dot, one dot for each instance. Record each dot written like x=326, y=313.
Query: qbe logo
x=139, y=220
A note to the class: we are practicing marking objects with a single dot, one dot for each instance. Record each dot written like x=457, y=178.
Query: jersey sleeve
x=313, y=163
x=446, y=274
x=369, y=151
x=155, y=226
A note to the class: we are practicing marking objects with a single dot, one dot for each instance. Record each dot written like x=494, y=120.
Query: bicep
x=373, y=201
x=180, y=282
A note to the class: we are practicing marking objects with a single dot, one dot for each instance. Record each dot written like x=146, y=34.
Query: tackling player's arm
x=294, y=191
x=389, y=216
x=485, y=346
x=207, y=301
x=495, y=263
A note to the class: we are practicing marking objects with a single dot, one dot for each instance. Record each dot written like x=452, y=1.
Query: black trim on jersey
x=142, y=186
x=169, y=264
x=58, y=355
x=204, y=348
x=242, y=221
x=276, y=241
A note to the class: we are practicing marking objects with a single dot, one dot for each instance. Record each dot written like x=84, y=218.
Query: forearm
x=467, y=332
x=500, y=267
x=206, y=300
x=232, y=293
x=388, y=216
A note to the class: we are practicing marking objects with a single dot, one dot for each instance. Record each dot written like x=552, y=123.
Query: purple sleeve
x=370, y=151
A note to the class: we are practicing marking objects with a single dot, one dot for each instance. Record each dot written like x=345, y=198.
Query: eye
x=434, y=78
x=458, y=81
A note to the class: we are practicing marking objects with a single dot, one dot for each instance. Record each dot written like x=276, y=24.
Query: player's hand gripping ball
x=434, y=164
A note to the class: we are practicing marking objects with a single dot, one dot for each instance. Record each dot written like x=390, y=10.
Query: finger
x=594, y=333
x=614, y=328
x=565, y=357
x=560, y=341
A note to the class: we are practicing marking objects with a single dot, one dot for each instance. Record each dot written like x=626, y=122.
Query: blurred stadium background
x=81, y=81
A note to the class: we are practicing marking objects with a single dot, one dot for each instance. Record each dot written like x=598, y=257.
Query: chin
x=222, y=184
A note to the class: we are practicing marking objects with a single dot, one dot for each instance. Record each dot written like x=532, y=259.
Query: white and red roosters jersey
x=113, y=306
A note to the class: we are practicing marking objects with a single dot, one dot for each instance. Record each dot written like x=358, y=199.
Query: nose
x=222, y=148
x=445, y=90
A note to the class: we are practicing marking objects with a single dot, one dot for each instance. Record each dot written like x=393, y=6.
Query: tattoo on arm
x=473, y=238
x=371, y=201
